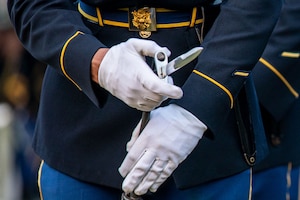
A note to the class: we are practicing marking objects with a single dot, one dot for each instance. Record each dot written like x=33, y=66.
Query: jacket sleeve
x=231, y=49
x=277, y=74
x=53, y=32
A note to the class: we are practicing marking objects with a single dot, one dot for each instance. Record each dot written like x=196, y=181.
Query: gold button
x=145, y=34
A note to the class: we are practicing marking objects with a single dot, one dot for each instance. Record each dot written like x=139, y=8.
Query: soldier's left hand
x=169, y=137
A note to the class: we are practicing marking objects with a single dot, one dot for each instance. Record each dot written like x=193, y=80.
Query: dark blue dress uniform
x=277, y=81
x=82, y=130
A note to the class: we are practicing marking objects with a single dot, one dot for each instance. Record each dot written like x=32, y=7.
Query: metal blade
x=183, y=59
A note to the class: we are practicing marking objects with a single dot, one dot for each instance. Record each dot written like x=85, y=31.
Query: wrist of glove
x=125, y=74
x=169, y=137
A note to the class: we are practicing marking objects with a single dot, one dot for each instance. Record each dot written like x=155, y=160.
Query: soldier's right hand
x=125, y=74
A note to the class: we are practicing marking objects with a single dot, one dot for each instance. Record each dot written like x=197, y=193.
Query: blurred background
x=20, y=84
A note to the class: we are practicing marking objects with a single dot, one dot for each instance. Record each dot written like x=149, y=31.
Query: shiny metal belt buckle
x=142, y=20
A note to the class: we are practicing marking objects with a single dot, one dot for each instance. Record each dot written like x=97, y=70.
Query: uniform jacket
x=82, y=130
x=277, y=79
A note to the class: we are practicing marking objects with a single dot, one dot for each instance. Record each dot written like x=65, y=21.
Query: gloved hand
x=125, y=74
x=169, y=137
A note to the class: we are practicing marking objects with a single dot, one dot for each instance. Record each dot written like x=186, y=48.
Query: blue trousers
x=278, y=183
x=58, y=186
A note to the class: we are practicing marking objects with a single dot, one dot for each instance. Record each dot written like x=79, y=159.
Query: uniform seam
x=39, y=179
x=280, y=76
x=227, y=91
x=62, y=66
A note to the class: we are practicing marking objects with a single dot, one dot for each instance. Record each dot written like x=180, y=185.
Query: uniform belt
x=163, y=18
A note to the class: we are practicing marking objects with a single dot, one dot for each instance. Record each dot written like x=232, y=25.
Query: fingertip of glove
x=122, y=172
x=167, y=51
x=177, y=93
x=153, y=190
x=180, y=93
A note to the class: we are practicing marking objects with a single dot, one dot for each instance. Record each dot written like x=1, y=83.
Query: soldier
x=98, y=81
x=276, y=77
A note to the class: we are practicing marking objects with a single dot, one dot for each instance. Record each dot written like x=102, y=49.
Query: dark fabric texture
x=278, y=89
x=82, y=130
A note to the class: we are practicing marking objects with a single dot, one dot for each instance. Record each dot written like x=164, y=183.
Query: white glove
x=125, y=74
x=169, y=137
